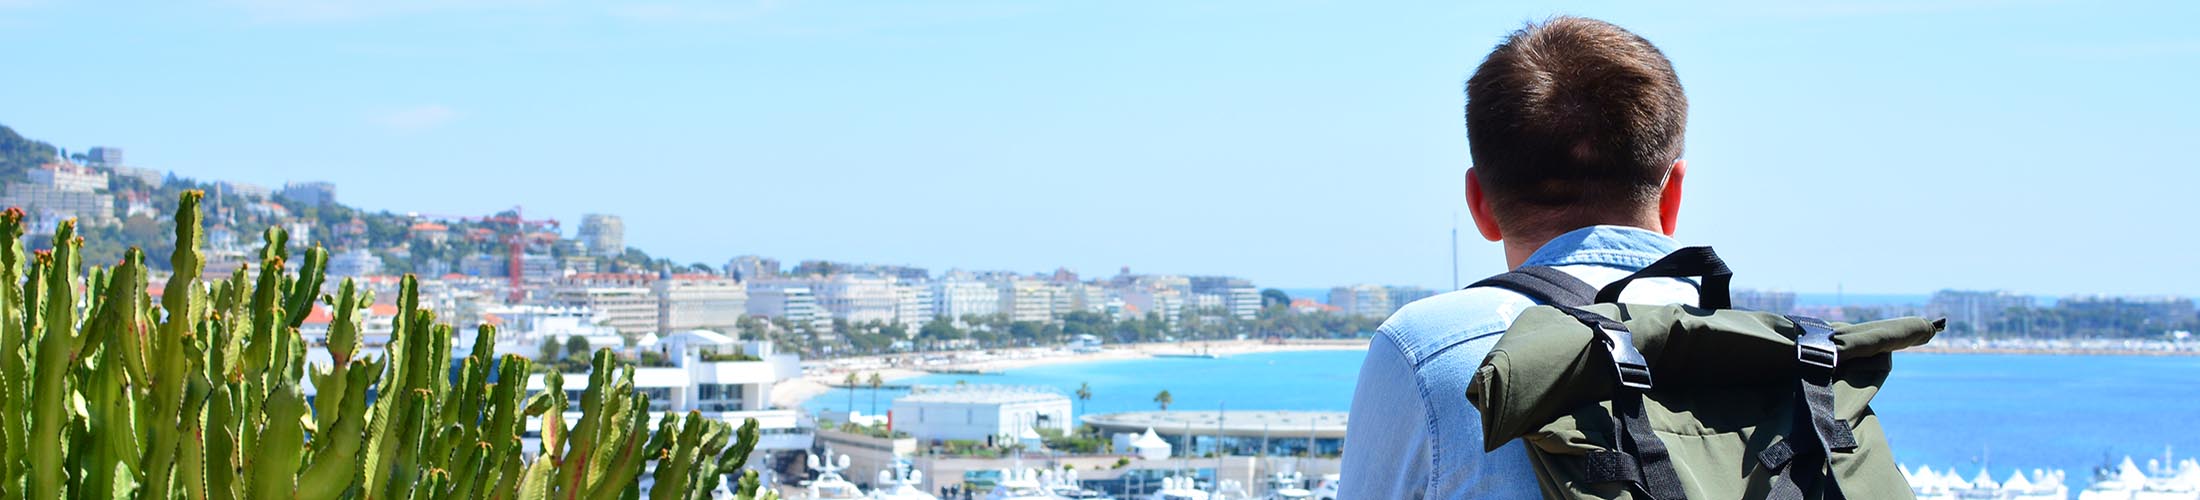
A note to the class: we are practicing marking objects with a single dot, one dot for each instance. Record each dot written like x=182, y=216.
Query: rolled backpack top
x=1676, y=402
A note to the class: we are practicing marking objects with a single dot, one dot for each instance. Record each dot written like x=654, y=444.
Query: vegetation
x=113, y=393
x=1164, y=399
x=1084, y=393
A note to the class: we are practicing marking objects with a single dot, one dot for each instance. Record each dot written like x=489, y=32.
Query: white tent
x=1150, y=446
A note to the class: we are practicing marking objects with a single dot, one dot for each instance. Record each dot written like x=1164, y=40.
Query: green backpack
x=1678, y=402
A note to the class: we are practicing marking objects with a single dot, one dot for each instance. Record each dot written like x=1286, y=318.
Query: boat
x=2163, y=479
x=1288, y=485
x=1063, y=483
x=829, y=485
x=1179, y=488
x=1326, y=489
x=900, y=482
x=1019, y=483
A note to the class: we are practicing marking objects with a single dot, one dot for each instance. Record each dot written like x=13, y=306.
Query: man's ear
x=1669, y=201
x=1478, y=205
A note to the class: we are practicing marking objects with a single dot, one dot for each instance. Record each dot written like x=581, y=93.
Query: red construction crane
x=514, y=232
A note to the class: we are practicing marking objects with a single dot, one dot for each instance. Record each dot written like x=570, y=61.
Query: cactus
x=107, y=393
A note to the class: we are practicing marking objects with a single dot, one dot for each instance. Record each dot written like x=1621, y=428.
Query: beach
x=819, y=376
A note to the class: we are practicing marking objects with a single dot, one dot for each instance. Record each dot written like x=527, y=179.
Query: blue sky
x=1895, y=147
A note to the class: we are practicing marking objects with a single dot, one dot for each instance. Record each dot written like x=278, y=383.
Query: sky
x=1864, y=146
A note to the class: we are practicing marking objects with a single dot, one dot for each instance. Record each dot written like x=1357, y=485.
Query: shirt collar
x=1624, y=247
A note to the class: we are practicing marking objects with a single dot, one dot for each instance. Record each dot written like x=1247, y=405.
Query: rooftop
x=980, y=394
x=1251, y=423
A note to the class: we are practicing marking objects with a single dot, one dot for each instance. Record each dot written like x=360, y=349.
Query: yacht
x=829, y=485
x=1327, y=488
x=2163, y=479
x=1179, y=488
x=900, y=483
x=1288, y=485
x=1020, y=484
x=1063, y=483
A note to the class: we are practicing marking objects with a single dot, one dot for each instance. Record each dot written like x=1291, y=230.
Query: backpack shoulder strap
x=1546, y=285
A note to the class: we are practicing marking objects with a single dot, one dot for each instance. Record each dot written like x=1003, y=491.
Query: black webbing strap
x=1816, y=429
x=1610, y=467
x=1544, y=284
x=1691, y=262
x=1653, y=465
x=1818, y=354
x=1777, y=459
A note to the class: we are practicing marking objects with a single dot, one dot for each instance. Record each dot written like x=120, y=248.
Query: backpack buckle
x=1815, y=346
x=1815, y=355
x=1633, y=369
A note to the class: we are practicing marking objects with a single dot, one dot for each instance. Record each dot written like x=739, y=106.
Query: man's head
x=1573, y=122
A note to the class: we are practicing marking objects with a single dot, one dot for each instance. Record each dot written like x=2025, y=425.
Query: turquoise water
x=2060, y=412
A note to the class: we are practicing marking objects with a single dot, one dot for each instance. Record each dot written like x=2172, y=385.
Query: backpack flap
x=1548, y=365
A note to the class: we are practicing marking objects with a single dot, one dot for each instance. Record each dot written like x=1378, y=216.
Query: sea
x=1966, y=411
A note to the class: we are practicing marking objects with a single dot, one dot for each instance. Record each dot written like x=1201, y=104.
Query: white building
x=309, y=193
x=912, y=305
x=62, y=190
x=790, y=300
x=687, y=302
x=979, y=412
x=957, y=297
x=1361, y=300
x=354, y=263
x=857, y=299
x=624, y=301
x=1027, y=300
x=602, y=235
x=717, y=376
x=1168, y=302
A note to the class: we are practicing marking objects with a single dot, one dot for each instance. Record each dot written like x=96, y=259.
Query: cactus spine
x=107, y=393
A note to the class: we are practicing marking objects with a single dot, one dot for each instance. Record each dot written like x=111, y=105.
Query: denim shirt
x=1412, y=433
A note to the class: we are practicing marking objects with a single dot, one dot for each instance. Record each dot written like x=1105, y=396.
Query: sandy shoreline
x=819, y=376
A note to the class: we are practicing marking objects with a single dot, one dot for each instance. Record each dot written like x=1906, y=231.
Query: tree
x=1164, y=399
x=850, y=384
x=1272, y=297
x=1084, y=393
x=876, y=382
x=576, y=347
x=549, y=352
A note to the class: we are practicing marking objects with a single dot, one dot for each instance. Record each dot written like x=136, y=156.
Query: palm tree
x=850, y=384
x=875, y=384
x=1164, y=399
x=1084, y=393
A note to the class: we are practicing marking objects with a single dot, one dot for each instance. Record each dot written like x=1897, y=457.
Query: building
x=312, y=194
x=602, y=235
x=1771, y=301
x=1142, y=300
x=1239, y=298
x=354, y=263
x=1402, y=295
x=2146, y=315
x=104, y=156
x=244, y=190
x=716, y=376
x=1361, y=300
x=857, y=299
x=750, y=268
x=1975, y=312
x=979, y=412
x=695, y=301
x=1194, y=433
x=147, y=176
x=624, y=301
x=912, y=305
x=958, y=297
x=61, y=190
x=1026, y=299
x=789, y=300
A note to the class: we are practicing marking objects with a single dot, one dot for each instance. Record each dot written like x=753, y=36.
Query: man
x=1574, y=127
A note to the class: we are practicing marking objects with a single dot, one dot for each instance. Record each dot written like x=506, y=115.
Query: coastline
x=820, y=376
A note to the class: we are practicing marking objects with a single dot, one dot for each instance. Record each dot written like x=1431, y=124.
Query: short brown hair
x=1572, y=121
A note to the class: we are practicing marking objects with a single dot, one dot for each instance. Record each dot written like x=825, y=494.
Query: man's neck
x=1517, y=250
